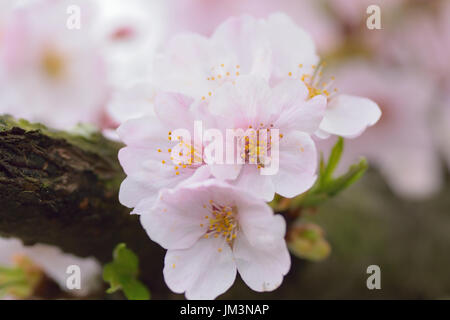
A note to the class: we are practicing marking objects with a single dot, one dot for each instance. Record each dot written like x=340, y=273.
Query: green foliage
x=122, y=273
x=327, y=186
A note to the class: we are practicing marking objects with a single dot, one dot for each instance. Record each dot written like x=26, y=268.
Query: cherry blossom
x=52, y=74
x=274, y=48
x=129, y=33
x=211, y=230
x=250, y=103
x=148, y=157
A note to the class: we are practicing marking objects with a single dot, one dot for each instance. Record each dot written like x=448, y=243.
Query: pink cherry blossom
x=250, y=102
x=196, y=65
x=273, y=48
x=203, y=16
x=211, y=230
x=147, y=158
x=52, y=74
x=54, y=264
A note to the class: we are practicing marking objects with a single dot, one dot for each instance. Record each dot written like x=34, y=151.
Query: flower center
x=314, y=83
x=184, y=155
x=256, y=145
x=221, y=74
x=222, y=222
x=53, y=64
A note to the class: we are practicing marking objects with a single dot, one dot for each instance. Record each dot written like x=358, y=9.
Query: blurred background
x=397, y=216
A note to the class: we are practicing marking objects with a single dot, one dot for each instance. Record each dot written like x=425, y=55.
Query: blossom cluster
x=260, y=74
x=213, y=218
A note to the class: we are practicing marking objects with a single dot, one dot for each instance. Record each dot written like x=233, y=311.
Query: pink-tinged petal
x=176, y=221
x=204, y=271
x=133, y=102
x=255, y=218
x=289, y=93
x=242, y=103
x=322, y=134
x=200, y=174
x=262, y=267
x=349, y=116
x=252, y=181
x=147, y=174
x=186, y=64
x=245, y=37
x=290, y=44
x=305, y=116
x=298, y=164
x=146, y=132
x=225, y=171
x=173, y=109
x=136, y=160
x=132, y=191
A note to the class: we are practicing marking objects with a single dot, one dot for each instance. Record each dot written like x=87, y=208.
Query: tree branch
x=61, y=189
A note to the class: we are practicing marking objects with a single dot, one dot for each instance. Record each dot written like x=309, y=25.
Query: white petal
x=243, y=103
x=263, y=267
x=177, y=220
x=225, y=171
x=289, y=93
x=132, y=191
x=133, y=102
x=298, y=164
x=173, y=110
x=349, y=116
x=201, y=271
x=250, y=179
x=304, y=116
x=145, y=132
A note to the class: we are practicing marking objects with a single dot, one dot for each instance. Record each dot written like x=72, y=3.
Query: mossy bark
x=62, y=189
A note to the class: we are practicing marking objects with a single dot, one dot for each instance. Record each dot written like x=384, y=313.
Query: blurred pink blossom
x=401, y=143
x=54, y=263
x=52, y=74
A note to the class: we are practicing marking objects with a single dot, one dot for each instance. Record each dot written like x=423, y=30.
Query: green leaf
x=335, y=155
x=327, y=186
x=122, y=273
x=354, y=173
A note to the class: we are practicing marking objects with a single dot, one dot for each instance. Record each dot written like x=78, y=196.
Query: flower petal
x=173, y=110
x=263, y=267
x=259, y=185
x=298, y=164
x=202, y=272
x=304, y=116
x=243, y=103
x=132, y=191
x=349, y=116
x=177, y=220
x=133, y=102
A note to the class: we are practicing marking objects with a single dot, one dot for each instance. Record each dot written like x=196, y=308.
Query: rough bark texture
x=62, y=189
